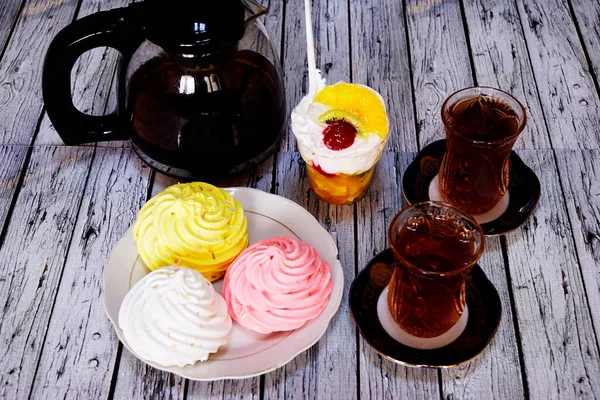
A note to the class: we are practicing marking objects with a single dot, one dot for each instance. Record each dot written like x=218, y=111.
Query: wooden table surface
x=63, y=208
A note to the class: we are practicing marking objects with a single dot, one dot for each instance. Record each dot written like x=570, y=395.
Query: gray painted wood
x=380, y=60
x=21, y=67
x=328, y=369
x=37, y=240
x=8, y=14
x=440, y=63
x=520, y=46
x=496, y=372
x=137, y=380
x=381, y=378
x=80, y=347
x=501, y=60
x=580, y=172
x=587, y=14
x=439, y=59
x=11, y=160
x=568, y=96
x=560, y=349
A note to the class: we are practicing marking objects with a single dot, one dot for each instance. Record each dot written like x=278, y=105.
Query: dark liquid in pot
x=195, y=124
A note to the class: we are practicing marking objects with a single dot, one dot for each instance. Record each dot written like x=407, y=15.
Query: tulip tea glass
x=435, y=246
x=482, y=125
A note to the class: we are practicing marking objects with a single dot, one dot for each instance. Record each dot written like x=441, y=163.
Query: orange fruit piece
x=359, y=100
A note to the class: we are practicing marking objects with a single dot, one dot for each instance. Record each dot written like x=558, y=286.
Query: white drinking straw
x=313, y=73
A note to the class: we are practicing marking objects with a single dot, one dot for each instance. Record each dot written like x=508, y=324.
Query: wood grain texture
x=560, y=349
x=37, y=241
x=496, y=372
x=332, y=50
x=80, y=348
x=569, y=99
x=21, y=67
x=11, y=160
x=381, y=378
x=501, y=60
x=587, y=18
x=439, y=59
x=380, y=60
x=580, y=173
x=137, y=380
x=9, y=10
x=444, y=59
x=327, y=369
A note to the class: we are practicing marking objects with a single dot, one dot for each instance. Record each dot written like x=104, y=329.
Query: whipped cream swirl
x=174, y=317
x=277, y=284
x=194, y=225
x=357, y=158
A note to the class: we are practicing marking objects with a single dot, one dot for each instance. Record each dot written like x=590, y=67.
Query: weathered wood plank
x=38, y=237
x=380, y=60
x=11, y=162
x=8, y=14
x=560, y=350
x=21, y=67
x=80, y=348
x=580, y=173
x=501, y=60
x=587, y=14
x=439, y=59
x=328, y=369
x=137, y=380
x=332, y=47
x=496, y=373
x=445, y=58
x=380, y=378
x=569, y=99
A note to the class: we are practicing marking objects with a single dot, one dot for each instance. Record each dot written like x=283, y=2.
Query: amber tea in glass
x=482, y=125
x=435, y=246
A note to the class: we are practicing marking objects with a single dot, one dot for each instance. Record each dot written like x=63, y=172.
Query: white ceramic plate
x=247, y=353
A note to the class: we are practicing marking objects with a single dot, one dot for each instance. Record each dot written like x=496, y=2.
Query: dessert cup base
x=339, y=189
x=401, y=336
x=435, y=194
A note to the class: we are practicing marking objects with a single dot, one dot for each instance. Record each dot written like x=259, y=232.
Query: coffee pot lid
x=194, y=25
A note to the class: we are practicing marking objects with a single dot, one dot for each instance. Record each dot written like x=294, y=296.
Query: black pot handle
x=108, y=29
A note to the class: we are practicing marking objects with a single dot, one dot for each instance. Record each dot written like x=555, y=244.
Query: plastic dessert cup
x=340, y=188
x=341, y=130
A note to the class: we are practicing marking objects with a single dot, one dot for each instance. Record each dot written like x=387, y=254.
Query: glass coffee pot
x=200, y=88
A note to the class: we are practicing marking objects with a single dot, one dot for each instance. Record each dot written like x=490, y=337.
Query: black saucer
x=485, y=312
x=524, y=187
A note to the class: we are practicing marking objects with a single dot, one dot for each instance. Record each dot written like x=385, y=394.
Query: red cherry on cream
x=339, y=135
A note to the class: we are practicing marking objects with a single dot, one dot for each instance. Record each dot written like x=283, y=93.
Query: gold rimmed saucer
x=485, y=312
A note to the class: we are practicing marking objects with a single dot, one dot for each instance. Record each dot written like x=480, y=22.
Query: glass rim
x=522, y=122
x=437, y=204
